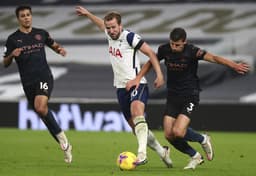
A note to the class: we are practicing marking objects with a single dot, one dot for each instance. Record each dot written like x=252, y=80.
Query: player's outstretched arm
x=80, y=11
x=239, y=67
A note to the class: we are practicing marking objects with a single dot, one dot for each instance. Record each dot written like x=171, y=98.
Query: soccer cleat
x=140, y=162
x=207, y=147
x=67, y=153
x=65, y=146
x=195, y=161
x=141, y=159
x=166, y=157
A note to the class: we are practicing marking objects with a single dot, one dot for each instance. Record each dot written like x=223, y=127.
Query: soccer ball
x=126, y=161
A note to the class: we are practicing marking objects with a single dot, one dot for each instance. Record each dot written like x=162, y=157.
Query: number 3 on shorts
x=190, y=108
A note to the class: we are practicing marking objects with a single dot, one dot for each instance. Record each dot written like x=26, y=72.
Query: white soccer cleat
x=195, y=161
x=67, y=153
x=207, y=147
x=65, y=146
x=166, y=157
x=141, y=159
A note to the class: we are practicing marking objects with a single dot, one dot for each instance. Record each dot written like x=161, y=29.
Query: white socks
x=141, y=131
x=205, y=139
x=154, y=144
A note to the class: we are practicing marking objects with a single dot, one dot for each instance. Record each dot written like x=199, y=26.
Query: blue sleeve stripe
x=129, y=38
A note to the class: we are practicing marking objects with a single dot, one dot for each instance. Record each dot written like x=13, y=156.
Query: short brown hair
x=178, y=34
x=111, y=15
x=21, y=8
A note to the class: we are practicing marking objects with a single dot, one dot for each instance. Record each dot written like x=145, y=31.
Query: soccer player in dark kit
x=181, y=61
x=27, y=47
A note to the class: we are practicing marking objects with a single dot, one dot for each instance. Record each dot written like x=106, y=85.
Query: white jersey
x=123, y=54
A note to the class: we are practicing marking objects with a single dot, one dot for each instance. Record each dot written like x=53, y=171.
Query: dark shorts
x=42, y=86
x=176, y=105
x=125, y=98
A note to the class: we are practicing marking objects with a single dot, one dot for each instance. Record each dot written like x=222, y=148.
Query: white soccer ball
x=126, y=161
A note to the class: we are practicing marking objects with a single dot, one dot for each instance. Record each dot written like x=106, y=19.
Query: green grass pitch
x=35, y=153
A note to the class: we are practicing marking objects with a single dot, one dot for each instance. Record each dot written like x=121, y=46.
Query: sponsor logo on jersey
x=115, y=52
x=32, y=48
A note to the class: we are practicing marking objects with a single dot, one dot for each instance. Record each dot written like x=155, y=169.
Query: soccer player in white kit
x=123, y=52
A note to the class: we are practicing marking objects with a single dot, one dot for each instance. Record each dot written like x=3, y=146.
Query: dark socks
x=51, y=124
x=183, y=146
x=193, y=136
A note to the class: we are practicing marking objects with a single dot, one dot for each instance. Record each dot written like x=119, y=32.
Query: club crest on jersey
x=115, y=52
x=38, y=37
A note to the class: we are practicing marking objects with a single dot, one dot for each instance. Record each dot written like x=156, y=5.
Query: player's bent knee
x=178, y=133
x=137, y=108
x=41, y=111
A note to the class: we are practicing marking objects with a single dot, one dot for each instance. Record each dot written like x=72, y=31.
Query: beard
x=114, y=36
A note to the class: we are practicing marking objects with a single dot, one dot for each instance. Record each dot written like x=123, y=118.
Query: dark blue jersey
x=32, y=61
x=181, y=69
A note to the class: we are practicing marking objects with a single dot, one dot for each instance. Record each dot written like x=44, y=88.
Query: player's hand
x=80, y=11
x=132, y=83
x=159, y=81
x=242, y=68
x=62, y=51
x=16, y=52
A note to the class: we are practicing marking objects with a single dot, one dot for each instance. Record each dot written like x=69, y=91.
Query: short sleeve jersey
x=32, y=60
x=124, y=57
x=181, y=69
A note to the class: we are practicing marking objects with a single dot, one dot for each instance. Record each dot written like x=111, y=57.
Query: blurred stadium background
x=84, y=98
